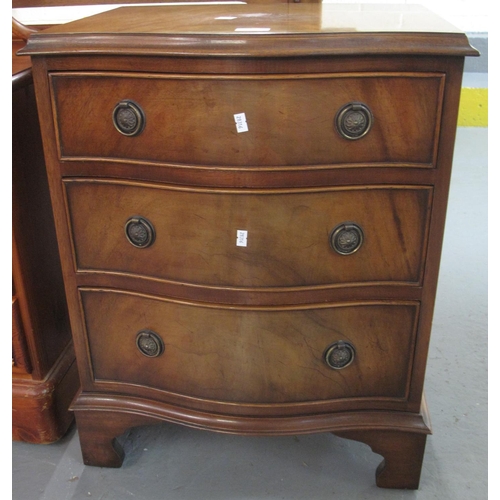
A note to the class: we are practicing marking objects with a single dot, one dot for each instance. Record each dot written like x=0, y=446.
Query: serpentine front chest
x=250, y=204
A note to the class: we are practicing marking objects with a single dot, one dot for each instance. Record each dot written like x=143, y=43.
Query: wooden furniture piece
x=44, y=373
x=250, y=204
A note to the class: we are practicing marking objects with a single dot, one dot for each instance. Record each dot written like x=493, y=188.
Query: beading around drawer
x=228, y=354
x=288, y=233
x=289, y=119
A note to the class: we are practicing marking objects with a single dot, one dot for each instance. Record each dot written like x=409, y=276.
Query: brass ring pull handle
x=128, y=118
x=346, y=238
x=139, y=232
x=340, y=355
x=149, y=343
x=354, y=120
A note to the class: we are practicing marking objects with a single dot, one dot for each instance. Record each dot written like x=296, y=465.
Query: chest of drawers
x=250, y=206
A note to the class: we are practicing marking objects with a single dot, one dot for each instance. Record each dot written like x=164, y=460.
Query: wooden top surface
x=256, y=30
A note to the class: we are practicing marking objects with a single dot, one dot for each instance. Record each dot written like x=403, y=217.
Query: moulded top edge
x=250, y=46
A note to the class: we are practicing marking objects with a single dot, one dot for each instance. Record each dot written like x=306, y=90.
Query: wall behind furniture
x=470, y=16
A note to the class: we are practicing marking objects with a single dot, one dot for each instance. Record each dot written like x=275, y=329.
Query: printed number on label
x=241, y=122
x=241, y=238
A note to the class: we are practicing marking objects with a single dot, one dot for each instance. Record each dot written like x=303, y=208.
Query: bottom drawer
x=251, y=355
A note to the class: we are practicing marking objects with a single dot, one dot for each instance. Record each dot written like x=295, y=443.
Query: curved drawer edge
x=246, y=295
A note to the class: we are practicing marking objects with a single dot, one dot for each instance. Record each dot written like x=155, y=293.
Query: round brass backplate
x=139, y=232
x=346, y=238
x=128, y=118
x=340, y=355
x=354, y=120
x=149, y=343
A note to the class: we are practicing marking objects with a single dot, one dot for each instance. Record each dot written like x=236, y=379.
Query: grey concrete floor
x=171, y=462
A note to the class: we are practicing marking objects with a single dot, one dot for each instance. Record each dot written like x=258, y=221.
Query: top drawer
x=291, y=120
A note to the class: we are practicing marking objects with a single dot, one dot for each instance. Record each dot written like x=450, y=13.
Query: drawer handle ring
x=340, y=355
x=354, y=120
x=139, y=232
x=128, y=118
x=346, y=238
x=149, y=343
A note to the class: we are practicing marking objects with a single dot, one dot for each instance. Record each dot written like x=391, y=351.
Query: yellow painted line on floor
x=473, y=111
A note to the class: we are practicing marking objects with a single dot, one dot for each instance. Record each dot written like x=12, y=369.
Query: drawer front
x=250, y=356
x=290, y=239
x=290, y=119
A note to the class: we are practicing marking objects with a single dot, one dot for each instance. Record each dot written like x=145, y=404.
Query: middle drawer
x=250, y=238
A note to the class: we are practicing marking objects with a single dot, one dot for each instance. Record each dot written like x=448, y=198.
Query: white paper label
x=241, y=238
x=241, y=122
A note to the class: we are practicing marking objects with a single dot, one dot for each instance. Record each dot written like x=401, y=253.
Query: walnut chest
x=250, y=205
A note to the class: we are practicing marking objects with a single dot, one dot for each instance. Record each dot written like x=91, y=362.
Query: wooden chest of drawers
x=250, y=206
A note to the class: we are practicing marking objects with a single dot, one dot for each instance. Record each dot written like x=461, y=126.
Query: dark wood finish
x=297, y=31
x=405, y=106
x=403, y=454
x=98, y=432
x=44, y=374
x=99, y=424
x=288, y=233
x=20, y=356
x=244, y=329
x=250, y=356
x=37, y=273
x=97, y=403
x=21, y=66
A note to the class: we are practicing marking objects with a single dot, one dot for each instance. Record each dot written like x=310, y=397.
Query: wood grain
x=291, y=30
x=249, y=356
x=245, y=332
x=288, y=233
x=398, y=436
x=191, y=120
x=403, y=454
